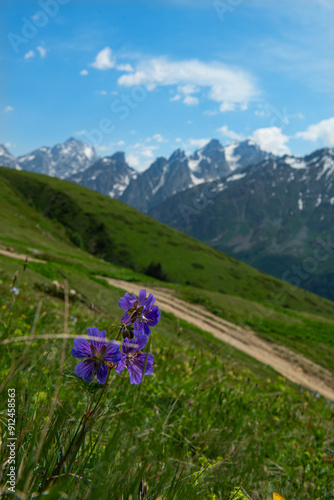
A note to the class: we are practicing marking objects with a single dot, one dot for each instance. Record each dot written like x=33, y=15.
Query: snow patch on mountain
x=235, y=177
x=327, y=168
x=231, y=158
x=294, y=162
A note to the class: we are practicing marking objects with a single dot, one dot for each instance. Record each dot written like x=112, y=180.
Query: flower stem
x=91, y=413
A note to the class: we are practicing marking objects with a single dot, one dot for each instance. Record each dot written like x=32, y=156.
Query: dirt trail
x=291, y=365
x=20, y=256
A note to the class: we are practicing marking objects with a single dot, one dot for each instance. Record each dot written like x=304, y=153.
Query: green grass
x=308, y=334
x=276, y=310
x=208, y=420
x=125, y=237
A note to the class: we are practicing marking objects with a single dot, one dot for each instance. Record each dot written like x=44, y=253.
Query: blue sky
x=147, y=77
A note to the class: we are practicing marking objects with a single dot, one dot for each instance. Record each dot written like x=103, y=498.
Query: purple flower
x=97, y=353
x=141, y=313
x=134, y=360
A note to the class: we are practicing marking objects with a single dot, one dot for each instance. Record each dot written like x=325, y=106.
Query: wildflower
x=141, y=313
x=4, y=307
x=134, y=360
x=15, y=290
x=96, y=354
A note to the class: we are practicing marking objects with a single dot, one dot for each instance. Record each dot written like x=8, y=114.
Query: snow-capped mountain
x=77, y=161
x=62, y=160
x=215, y=161
x=110, y=175
x=7, y=159
x=166, y=177
x=271, y=215
x=161, y=180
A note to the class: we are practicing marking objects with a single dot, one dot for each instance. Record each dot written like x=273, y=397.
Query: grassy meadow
x=210, y=422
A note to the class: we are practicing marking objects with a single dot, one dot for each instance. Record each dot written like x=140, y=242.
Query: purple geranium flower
x=141, y=313
x=97, y=353
x=134, y=360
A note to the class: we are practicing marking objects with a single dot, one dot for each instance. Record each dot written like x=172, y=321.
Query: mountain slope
x=62, y=160
x=110, y=176
x=164, y=178
x=274, y=215
x=7, y=159
x=109, y=229
x=77, y=161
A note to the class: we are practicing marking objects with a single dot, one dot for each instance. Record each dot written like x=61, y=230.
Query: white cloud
x=187, y=89
x=230, y=87
x=83, y=72
x=323, y=130
x=133, y=160
x=104, y=59
x=42, y=51
x=159, y=138
x=125, y=67
x=103, y=148
x=148, y=152
x=190, y=100
x=8, y=144
x=115, y=144
x=272, y=140
x=29, y=55
x=210, y=113
x=177, y=97
x=8, y=109
x=80, y=132
x=101, y=92
x=230, y=134
x=140, y=163
x=261, y=113
x=199, y=143
x=226, y=106
x=178, y=139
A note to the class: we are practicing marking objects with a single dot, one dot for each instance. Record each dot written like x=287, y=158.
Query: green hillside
x=210, y=420
x=111, y=230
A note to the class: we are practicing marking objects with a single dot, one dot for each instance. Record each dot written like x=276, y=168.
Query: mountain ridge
x=271, y=215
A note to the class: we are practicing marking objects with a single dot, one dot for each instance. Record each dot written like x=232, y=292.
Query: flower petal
x=112, y=352
x=121, y=365
x=136, y=367
x=140, y=360
x=86, y=370
x=81, y=349
x=125, y=319
x=150, y=301
x=127, y=301
x=125, y=348
x=142, y=297
x=153, y=316
x=102, y=373
x=141, y=327
x=141, y=340
x=95, y=332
